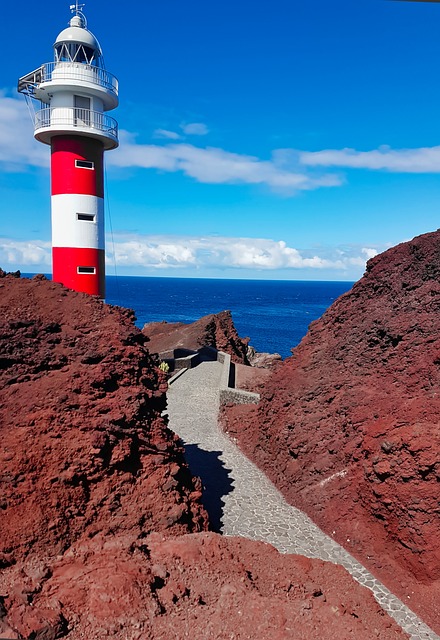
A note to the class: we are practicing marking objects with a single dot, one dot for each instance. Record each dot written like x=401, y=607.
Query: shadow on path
x=215, y=480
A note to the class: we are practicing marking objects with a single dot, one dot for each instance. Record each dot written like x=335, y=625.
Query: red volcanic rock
x=83, y=446
x=215, y=330
x=349, y=426
x=200, y=586
x=251, y=378
x=249, y=590
x=94, y=491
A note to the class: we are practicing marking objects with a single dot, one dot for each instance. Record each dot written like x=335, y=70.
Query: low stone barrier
x=230, y=395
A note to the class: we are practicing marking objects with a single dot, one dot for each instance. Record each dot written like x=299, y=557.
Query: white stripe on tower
x=78, y=221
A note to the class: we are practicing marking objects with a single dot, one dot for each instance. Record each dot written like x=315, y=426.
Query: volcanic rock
x=263, y=360
x=251, y=591
x=15, y=274
x=215, y=330
x=83, y=444
x=349, y=426
x=200, y=586
x=95, y=496
x=251, y=378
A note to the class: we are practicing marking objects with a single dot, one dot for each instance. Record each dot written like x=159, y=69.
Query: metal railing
x=79, y=71
x=76, y=117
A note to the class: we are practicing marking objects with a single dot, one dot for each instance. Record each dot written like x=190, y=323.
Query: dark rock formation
x=349, y=427
x=14, y=274
x=215, y=330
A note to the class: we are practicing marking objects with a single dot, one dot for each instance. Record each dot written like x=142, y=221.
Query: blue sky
x=283, y=139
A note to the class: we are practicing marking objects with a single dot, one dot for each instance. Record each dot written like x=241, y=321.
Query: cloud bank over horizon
x=194, y=253
x=25, y=253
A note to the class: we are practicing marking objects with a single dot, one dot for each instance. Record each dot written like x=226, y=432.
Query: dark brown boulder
x=349, y=426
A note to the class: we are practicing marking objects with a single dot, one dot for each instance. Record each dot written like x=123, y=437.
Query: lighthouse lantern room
x=73, y=94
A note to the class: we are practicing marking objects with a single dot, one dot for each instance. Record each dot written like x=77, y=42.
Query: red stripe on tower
x=77, y=166
x=80, y=269
x=75, y=92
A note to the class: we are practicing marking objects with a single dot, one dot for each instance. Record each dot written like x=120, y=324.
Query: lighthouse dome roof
x=76, y=33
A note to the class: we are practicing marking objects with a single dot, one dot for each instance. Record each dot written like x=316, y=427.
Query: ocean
x=274, y=314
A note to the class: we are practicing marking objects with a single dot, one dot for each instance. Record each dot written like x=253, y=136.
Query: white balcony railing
x=79, y=71
x=72, y=117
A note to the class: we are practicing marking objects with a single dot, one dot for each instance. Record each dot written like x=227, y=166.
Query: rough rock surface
x=263, y=360
x=200, y=586
x=349, y=426
x=251, y=378
x=83, y=446
x=215, y=330
x=94, y=491
x=251, y=591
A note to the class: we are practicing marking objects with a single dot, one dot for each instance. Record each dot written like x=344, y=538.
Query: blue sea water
x=275, y=314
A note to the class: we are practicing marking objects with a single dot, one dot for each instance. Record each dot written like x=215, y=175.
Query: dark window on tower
x=84, y=164
x=87, y=217
x=86, y=270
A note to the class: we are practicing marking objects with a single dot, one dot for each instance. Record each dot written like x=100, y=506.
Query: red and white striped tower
x=74, y=93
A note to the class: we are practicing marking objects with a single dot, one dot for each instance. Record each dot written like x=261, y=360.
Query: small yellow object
x=164, y=366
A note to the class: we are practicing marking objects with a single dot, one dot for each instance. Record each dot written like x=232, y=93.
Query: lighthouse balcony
x=68, y=120
x=58, y=76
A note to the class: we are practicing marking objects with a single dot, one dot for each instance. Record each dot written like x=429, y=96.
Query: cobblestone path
x=241, y=501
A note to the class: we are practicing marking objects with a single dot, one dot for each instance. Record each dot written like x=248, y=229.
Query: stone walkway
x=241, y=501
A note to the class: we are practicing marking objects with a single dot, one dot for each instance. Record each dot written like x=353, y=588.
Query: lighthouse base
x=80, y=269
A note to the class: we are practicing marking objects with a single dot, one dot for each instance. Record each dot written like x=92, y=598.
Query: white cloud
x=195, y=253
x=221, y=252
x=145, y=251
x=164, y=133
x=288, y=171
x=369, y=252
x=195, y=129
x=25, y=253
x=422, y=160
x=18, y=149
x=217, y=166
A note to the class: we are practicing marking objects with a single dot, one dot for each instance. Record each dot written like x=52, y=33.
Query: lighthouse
x=72, y=95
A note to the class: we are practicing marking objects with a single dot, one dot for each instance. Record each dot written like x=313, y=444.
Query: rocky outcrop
x=251, y=378
x=83, y=446
x=349, y=426
x=200, y=586
x=97, y=506
x=215, y=330
x=251, y=591
x=263, y=360
x=15, y=274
